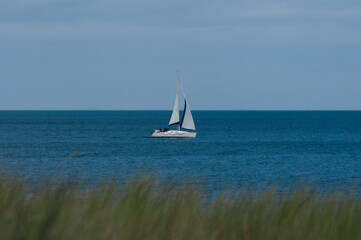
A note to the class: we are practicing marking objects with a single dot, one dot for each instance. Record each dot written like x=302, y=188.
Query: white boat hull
x=173, y=134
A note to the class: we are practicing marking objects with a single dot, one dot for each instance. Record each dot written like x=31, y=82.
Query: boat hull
x=173, y=134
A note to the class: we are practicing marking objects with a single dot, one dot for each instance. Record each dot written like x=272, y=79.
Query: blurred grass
x=145, y=209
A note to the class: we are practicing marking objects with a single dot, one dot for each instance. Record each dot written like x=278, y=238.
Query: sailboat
x=186, y=123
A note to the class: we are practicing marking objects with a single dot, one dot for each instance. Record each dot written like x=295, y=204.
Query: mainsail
x=174, y=119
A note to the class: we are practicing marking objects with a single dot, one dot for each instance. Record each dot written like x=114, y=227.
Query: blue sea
x=233, y=148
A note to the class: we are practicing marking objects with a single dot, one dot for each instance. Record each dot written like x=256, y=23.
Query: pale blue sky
x=123, y=55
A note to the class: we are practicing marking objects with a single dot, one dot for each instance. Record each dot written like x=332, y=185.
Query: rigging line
x=181, y=85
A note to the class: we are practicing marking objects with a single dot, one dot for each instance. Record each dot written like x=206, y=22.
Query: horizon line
x=143, y=110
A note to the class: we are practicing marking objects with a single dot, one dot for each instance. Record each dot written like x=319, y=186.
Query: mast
x=174, y=119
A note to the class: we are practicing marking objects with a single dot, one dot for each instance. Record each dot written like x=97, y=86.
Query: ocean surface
x=232, y=149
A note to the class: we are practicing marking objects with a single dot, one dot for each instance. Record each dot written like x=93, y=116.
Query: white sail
x=187, y=121
x=174, y=119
